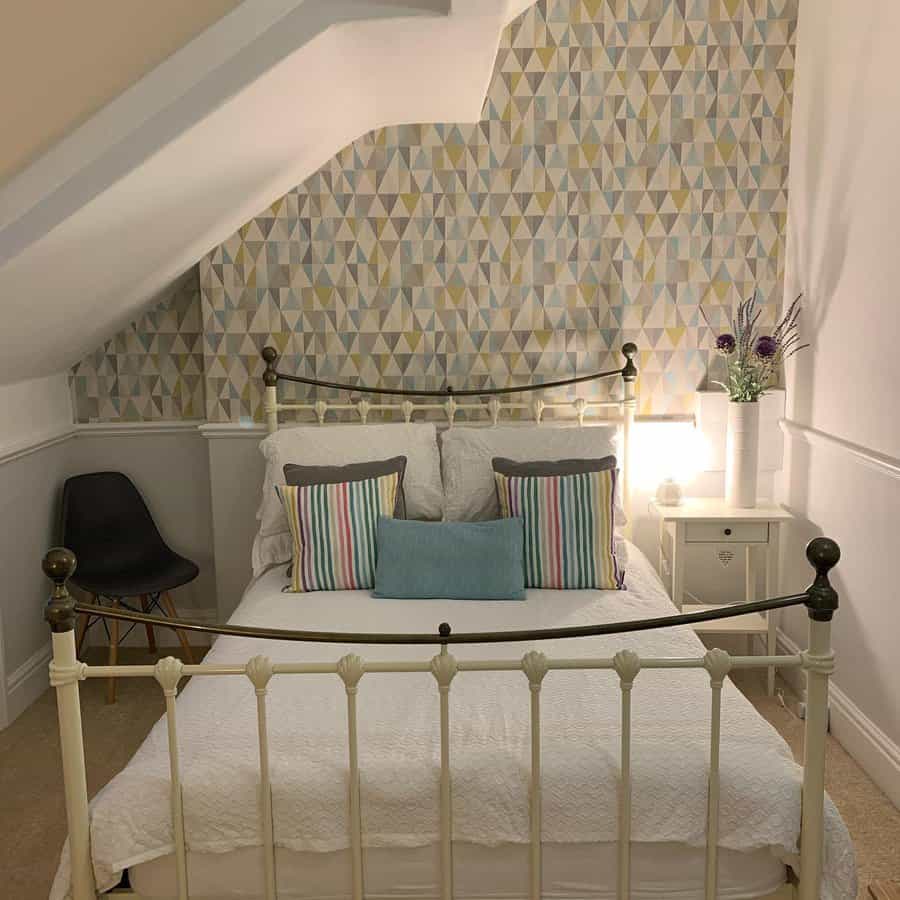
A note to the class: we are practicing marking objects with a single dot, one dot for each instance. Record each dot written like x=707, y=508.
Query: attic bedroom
x=443, y=452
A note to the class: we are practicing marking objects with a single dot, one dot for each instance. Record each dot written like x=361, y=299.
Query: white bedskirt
x=399, y=742
x=570, y=871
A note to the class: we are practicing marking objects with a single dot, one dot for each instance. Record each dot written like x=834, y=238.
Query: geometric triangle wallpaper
x=630, y=168
x=152, y=370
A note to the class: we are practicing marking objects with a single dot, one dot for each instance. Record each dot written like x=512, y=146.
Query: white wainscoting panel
x=875, y=752
x=28, y=682
x=852, y=494
x=236, y=469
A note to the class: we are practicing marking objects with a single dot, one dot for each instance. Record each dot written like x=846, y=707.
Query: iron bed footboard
x=66, y=671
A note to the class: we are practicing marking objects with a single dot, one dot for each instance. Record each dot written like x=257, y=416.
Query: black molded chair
x=120, y=554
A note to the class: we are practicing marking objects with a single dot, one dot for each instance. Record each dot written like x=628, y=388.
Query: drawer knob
x=727, y=531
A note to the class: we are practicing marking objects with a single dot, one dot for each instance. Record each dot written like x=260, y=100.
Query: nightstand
x=711, y=523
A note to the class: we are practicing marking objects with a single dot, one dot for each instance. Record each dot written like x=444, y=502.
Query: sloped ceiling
x=94, y=230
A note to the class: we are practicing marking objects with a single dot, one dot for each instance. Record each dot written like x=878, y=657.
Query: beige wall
x=842, y=248
x=62, y=61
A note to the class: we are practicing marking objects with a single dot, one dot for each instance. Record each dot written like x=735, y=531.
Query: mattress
x=490, y=757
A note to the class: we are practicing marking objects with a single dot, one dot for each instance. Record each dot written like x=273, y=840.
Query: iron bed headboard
x=450, y=404
x=446, y=401
x=272, y=376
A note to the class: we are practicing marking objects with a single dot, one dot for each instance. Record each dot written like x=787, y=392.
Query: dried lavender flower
x=753, y=359
x=725, y=344
x=766, y=347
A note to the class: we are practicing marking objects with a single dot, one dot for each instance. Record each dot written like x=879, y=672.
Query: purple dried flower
x=766, y=347
x=725, y=343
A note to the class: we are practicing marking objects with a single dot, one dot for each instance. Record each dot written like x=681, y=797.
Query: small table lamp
x=669, y=492
x=669, y=459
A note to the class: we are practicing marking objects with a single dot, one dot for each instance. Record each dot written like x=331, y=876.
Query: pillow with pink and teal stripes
x=333, y=527
x=568, y=524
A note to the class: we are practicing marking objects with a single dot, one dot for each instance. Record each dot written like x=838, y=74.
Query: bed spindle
x=444, y=669
x=718, y=664
x=535, y=666
x=450, y=408
x=168, y=673
x=627, y=665
x=351, y=669
x=818, y=662
x=65, y=674
x=259, y=671
x=629, y=408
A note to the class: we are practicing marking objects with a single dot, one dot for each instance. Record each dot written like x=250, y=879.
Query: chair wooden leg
x=81, y=631
x=168, y=605
x=151, y=634
x=113, y=654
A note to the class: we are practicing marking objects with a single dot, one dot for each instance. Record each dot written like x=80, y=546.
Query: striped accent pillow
x=569, y=540
x=333, y=527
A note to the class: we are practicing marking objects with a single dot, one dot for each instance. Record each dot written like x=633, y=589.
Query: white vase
x=742, y=454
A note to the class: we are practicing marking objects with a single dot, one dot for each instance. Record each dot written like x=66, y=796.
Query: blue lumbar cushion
x=450, y=560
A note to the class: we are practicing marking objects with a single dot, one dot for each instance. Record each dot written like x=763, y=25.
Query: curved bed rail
x=444, y=633
x=272, y=376
x=822, y=553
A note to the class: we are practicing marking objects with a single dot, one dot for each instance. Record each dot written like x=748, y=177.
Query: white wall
x=841, y=471
x=33, y=411
x=169, y=464
x=35, y=426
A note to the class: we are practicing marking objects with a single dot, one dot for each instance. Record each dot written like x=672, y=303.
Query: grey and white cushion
x=550, y=468
x=303, y=476
x=315, y=445
x=467, y=455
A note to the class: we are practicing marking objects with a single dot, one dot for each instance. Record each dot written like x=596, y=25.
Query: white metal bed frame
x=821, y=600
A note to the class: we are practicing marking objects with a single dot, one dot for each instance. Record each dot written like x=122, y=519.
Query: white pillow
x=336, y=445
x=466, y=454
x=470, y=494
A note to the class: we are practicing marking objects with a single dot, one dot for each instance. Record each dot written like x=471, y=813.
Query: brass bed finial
x=59, y=565
x=270, y=356
x=822, y=599
x=629, y=370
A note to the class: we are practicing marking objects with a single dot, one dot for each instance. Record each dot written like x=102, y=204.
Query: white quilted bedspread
x=399, y=746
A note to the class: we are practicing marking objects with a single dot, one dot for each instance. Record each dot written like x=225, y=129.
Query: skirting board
x=875, y=752
x=27, y=683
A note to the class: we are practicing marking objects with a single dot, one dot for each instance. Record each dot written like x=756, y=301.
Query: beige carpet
x=32, y=813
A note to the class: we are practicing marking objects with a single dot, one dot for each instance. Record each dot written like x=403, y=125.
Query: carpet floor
x=32, y=810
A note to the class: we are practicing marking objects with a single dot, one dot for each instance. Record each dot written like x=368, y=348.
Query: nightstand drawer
x=726, y=532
